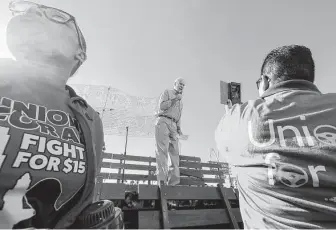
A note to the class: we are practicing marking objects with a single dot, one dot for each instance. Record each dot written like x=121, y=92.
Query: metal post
x=123, y=174
x=101, y=117
x=230, y=178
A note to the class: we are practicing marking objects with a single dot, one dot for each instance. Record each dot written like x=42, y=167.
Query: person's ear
x=266, y=82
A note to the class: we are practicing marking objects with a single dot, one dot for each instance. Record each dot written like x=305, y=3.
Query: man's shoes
x=173, y=183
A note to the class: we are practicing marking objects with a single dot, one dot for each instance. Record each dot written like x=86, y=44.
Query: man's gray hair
x=179, y=79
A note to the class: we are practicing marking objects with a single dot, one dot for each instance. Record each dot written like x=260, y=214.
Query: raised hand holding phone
x=228, y=106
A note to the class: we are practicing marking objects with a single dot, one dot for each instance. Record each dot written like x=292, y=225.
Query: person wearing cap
x=283, y=146
x=50, y=138
x=167, y=131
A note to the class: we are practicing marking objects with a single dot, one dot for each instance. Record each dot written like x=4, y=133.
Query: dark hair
x=294, y=61
x=129, y=194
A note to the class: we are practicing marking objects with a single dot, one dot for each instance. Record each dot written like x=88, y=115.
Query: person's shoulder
x=94, y=113
x=167, y=91
x=73, y=93
x=327, y=96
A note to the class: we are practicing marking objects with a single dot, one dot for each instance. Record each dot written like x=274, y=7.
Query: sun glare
x=4, y=52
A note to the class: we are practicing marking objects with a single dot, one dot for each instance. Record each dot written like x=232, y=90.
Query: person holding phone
x=283, y=146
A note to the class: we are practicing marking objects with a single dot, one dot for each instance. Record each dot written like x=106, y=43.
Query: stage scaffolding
x=119, y=110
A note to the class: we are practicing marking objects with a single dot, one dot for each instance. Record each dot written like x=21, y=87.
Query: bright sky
x=141, y=46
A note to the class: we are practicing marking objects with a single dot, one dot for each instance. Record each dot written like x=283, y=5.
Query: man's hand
x=228, y=106
x=179, y=132
x=12, y=211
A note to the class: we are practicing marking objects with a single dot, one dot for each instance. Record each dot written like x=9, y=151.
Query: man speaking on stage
x=167, y=133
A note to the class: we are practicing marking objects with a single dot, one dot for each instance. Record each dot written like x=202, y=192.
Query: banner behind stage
x=119, y=110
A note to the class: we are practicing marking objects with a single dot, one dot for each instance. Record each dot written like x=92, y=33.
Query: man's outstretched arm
x=231, y=135
x=222, y=131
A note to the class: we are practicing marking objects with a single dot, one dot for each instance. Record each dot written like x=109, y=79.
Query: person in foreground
x=283, y=146
x=167, y=130
x=50, y=138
